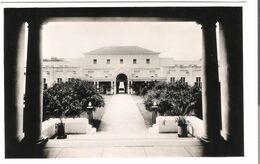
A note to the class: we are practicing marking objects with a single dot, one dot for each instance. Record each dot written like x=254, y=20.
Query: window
x=147, y=61
x=172, y=79
x=59, y=80
x=183, y=79
x=108, y=61
x=45, y=85
x=121, y=61
x=134, y=61
x=198, y=82
x=94, y=61
x=198, y=79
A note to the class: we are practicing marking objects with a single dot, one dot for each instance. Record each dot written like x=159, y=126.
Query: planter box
x=72, y=126
x=48, y=127
x=196, y=129
x=76, y=125
x=167, y=124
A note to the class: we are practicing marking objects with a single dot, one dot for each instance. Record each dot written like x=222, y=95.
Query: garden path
x=122, y=117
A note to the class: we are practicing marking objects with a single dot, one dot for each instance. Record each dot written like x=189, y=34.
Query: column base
x=207, y=139
x=41, y=141
x=213, y=147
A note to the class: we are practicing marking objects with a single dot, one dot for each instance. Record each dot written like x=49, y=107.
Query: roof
x=168, y=62
x=121, y=50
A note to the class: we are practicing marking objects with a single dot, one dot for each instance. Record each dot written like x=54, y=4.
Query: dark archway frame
x=230, y=19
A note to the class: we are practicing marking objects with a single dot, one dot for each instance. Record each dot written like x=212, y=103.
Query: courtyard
x=222, y=89
x=122, y=133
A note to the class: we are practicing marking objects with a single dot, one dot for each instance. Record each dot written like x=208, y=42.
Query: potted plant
x=182, y=126
x=61, y=130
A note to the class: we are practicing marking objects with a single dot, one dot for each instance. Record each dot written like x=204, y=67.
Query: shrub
x=70, y=99
x=174, y=99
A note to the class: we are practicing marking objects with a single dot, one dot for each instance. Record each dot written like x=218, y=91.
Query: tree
x=70, y=99
x=174, y=99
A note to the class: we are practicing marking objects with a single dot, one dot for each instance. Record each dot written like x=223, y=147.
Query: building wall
x=160, y=69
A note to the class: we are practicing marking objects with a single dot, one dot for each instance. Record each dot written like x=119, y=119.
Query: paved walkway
x=122, y=117
x=123, y=134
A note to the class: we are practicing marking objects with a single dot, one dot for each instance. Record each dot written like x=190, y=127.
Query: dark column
x=231, y=57
x=34, y=90
x=13, y=81
x=210, y=83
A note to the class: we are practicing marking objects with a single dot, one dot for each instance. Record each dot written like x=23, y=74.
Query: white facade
x=108, y=66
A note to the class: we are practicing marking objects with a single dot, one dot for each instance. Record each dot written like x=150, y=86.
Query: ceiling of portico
x=127, y=13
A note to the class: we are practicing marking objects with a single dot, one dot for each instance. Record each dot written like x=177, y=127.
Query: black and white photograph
x=129, y=81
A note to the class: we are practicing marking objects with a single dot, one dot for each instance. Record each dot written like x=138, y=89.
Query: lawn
x=147, y=115
x=98, y=114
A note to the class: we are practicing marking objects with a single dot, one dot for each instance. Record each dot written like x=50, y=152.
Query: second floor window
x=134, y=61
x=121, y=61
x=59, y=80
x=198, y=81
x=172, y=79
x=94, y=61
x=108, y=61
x=183, y=79
x=147, y=61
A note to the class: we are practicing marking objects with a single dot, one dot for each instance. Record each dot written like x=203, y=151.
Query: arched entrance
x=121, y=83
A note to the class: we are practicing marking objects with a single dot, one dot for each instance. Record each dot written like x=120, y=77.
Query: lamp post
x=90, y=112
x=155, y=110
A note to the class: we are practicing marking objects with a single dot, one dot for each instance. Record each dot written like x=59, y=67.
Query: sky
x=178, y=40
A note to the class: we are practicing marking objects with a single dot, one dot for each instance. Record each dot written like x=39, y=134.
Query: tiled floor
x=103, y=146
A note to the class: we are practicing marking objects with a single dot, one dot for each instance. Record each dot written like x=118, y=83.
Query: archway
x=121, y=83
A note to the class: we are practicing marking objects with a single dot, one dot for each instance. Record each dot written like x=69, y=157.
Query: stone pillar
x=131, y=89
x=114, y=84
x=128, y=87
x=111, y=86
x=98, y=86
x=14, y=82
x=225, y=96
x=210, y=84
x=34, y=87
x=231, y=73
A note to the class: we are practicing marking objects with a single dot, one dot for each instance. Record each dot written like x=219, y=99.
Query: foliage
x=141, y=88
x=174, y=99
x=181, y=120
x=70, y=99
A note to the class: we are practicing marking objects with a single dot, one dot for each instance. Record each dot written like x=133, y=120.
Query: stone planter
x=61, y=131
x=182, y=131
